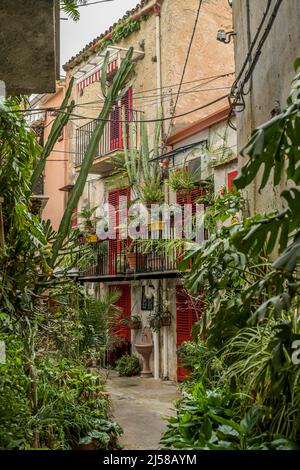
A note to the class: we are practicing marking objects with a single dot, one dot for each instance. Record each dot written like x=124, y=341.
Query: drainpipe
x=156, y=339
x=157, y=9
x=165, y=335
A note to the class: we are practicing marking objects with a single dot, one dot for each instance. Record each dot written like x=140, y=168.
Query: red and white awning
x=96, y=75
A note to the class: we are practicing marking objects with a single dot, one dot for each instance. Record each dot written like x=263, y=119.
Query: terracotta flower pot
x=131, y=260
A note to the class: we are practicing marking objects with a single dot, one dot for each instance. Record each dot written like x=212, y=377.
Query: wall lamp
x=225, y=36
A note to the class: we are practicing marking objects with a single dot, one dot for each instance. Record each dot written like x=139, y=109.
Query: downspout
x=165, y=335
x=156, y=338
x=157, y=10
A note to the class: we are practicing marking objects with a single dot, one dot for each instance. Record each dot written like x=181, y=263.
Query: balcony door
x=116, y=137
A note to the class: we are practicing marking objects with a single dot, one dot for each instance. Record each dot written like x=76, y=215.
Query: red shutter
x=117, y=245
x=116, y=133
x=230, y=177
x=187, y=314
x=124, y=303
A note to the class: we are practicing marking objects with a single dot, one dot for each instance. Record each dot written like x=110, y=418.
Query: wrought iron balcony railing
x=112, y=258
x=112, y=139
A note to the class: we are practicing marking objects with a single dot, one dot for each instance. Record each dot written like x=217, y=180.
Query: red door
x=117, y=247
x=124, y=303
x=187, y=314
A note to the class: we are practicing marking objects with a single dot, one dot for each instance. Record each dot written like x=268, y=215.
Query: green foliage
x=71, y=407
x=159, y=316
x=70, y=7
x=250, y=317
x=143, y=175
x=14, y=403
x=128, y=366
x=209, y=420
x=152, y=193
x=181, y=179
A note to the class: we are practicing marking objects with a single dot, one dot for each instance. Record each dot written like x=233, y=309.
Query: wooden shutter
x=230, y=177
x=117, y=245
x=124, y=303
x=116, y=134
x=187, y=315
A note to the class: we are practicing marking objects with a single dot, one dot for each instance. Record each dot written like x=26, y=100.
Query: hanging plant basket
x=136, y=325
x=165, y=321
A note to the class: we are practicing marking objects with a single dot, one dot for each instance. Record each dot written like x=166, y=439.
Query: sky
x=95, y=19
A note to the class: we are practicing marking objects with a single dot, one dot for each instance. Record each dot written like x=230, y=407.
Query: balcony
x=111, y=263
x=111, y=142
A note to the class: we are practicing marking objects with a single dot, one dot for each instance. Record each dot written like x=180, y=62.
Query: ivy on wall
x=122, y=30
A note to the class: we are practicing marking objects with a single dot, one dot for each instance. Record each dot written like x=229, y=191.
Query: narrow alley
x=139, y=406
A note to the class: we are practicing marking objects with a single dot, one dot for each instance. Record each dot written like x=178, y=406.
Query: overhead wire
x=185, y=64
x=236, y=96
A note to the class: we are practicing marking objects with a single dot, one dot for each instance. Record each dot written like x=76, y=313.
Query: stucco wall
x=56, y=168
x=271, y=78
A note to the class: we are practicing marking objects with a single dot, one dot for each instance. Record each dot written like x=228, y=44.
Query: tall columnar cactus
x=59, y=123
x=140, y=169
x=115, y=92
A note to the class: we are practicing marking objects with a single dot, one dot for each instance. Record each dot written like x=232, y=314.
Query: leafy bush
x=204, y=363
x=128, y=366
x=14, y=404
x=209, y=420
x=72, y=408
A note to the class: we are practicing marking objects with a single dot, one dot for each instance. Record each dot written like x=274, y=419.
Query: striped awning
x=96, y=75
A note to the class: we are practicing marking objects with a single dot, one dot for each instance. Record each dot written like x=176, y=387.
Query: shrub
x=128, y=366
x=210, y=420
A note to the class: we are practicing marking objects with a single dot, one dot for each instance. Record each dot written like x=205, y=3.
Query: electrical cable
x=185, y=64
x=150, y=120
x=236, y=96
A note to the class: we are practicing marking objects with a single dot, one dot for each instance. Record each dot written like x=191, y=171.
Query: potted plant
x=134, y=323
x=160, y=316
x=152, y=193
x=89, y=221
x=181, y=180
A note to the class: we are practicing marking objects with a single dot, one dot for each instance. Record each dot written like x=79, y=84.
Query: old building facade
x=160, y=34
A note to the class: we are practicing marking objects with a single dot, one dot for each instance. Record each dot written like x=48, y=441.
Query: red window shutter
x=230, y=177
x=187, y=314
x=116, y=246
x=116, y=133
x=124, y=303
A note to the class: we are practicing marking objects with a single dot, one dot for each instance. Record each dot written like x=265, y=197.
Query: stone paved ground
x=138, y=406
